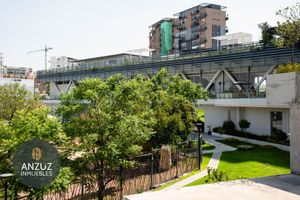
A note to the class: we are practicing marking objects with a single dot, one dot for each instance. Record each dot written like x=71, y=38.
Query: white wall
x=261, y=120
x=58, y=62
x=258, y=117
x=215, y=116
x=28, y=83
x=281, y=88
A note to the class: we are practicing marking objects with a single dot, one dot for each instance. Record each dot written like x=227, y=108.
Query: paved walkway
x=285, y=187
x=213, y=163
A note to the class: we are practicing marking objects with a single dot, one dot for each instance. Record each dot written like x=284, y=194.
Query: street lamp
x=4, y=177
x=200, y=127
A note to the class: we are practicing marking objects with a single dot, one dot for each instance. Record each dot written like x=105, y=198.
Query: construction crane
x=1, y=59
x=46, y=49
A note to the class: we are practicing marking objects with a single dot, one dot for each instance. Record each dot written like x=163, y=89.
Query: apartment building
x=16, y=72
x=193, y=28
x=62, y=61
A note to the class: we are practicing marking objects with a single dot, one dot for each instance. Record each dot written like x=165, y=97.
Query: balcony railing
x=237, y=95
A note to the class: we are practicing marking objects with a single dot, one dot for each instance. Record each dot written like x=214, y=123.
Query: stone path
x=213, y=163
x=285, y=187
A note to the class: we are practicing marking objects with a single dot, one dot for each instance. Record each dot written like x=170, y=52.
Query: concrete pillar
x=295, y=138
x=295, y=129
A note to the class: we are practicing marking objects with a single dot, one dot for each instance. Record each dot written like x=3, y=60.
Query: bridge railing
x=94, y=66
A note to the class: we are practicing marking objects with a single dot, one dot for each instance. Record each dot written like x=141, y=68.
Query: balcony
x=203, y=40
x=203, y=28
x=236, y=99
x=237, y=95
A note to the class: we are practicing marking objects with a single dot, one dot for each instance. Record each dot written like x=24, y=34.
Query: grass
x=207, y=146
x=259, y=162
x=205, y=161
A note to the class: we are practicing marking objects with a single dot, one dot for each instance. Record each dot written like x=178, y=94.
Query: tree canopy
x=107, y=120
x=267, y=35
x=289, y=31
x=110, y=121
x=173, y=102
x=24, y=126
x=14, y=97
x=22, y=118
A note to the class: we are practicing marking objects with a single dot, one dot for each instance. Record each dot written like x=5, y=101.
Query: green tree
x=24, y=126
x=267, y=35
x=14, y=97
x=289, y=31
x=107, y=121
x=244, y=124
x=173, y=102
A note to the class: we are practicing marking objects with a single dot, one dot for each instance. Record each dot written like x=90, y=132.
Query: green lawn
x=259, y=162
x=205, y=161
x=207, y=146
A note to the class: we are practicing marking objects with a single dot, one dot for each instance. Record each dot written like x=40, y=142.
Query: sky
x=91, y=28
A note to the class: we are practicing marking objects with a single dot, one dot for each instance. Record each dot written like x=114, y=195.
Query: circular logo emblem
x=36, y=163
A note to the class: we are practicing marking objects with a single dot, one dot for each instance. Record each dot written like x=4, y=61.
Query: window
x=112, y=62
x=263, y=85
x=216, y=30
x=276, y=121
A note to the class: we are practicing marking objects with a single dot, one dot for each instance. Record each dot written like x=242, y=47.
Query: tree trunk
x=101, y=189
x=101, y=185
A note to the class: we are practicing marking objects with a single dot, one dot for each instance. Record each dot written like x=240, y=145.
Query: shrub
x=286, y=68
x=245, y=147
x=228, y=125
x=216, y=129
x=269, y=147
x=222, y=131
x=244, y=124
x=215, y=175
x=232, y=140
x=279, y=135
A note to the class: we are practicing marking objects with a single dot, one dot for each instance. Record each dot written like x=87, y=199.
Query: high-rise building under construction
x=190, y=29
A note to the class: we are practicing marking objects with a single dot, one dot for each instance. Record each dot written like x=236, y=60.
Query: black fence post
x=121, y=182
x=5, y=190
x=177, y=160
x=151, y=176
x=82, y=188
x=199, y=150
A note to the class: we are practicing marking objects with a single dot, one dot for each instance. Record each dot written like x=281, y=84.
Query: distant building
x=93, y=63
x=161, y=36
x=3, y=71
x=1, y=59
x=28, y=83
x=193, y=28
x=22, y=75
x=16, y=72
x=233, y=40
x=114, y=59
x=63, y=61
